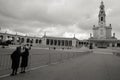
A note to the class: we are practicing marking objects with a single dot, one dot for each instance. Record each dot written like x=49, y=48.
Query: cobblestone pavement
x=88, y=67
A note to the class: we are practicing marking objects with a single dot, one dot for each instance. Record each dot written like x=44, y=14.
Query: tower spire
x=102, y=15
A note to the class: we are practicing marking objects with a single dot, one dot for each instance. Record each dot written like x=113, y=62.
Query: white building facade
x=43, y=42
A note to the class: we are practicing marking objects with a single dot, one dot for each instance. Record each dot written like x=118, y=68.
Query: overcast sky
x=61, y=18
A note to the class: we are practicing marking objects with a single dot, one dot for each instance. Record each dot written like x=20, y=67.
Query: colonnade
x=66, y=42
x=57, y=42
x=53, y=41
x=17, y=39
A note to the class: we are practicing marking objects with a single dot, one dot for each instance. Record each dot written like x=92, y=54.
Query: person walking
x=15, y=57
x=24, y=61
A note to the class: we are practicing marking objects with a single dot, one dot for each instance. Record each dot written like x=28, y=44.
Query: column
x=4, y=37
x=53, y=42
x=115, y=44
x=15, y=39
x=74, y=43
x=64, y=43
x=43, y=41
x=25, y=39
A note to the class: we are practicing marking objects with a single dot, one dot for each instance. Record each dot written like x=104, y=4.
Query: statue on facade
x=110, y=25
x=114, y=35
x=74, y=35
x=90, y=35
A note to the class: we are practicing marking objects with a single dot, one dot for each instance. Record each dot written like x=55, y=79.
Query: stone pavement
x=88, y=67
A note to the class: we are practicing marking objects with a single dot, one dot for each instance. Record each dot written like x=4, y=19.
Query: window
x=101, y=18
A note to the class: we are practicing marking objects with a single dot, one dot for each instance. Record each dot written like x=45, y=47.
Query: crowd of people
x=18, y=56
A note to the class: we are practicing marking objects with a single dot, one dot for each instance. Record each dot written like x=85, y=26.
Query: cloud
x=56, y=17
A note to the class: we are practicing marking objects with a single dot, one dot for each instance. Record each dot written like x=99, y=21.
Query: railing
x=5, y=61
x=36, y=60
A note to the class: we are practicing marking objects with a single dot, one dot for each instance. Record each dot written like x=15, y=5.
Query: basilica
x=102, y=37
x=102, y=34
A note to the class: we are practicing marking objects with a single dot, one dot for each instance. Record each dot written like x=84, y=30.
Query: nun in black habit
x=15, y=57
x=24, y=61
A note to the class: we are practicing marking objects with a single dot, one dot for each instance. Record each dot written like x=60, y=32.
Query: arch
x=113, y=44
x=28, y=40
x=8, y=37
x=31, y=41
x=47, y=42
x=118, y=44
x=13, y=38
x=40, y=41
x=55, y=42
x=22, y=40
x=36, y=41
x=79, y=43
x=66, y=43
x=51, y=43
x=1, y=37
x=58, y=42
x=18, y=39
x=63, y=42
x=70, y=43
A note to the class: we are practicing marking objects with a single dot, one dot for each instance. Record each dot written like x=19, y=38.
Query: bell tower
x=102, y=37
x=102, y=31
x=102, y=15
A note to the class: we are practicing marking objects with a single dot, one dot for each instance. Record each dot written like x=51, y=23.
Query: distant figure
x=15, y=57
x=91, y=47
x=24, y=61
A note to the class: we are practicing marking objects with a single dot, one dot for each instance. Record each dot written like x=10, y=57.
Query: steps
x=103, y=51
